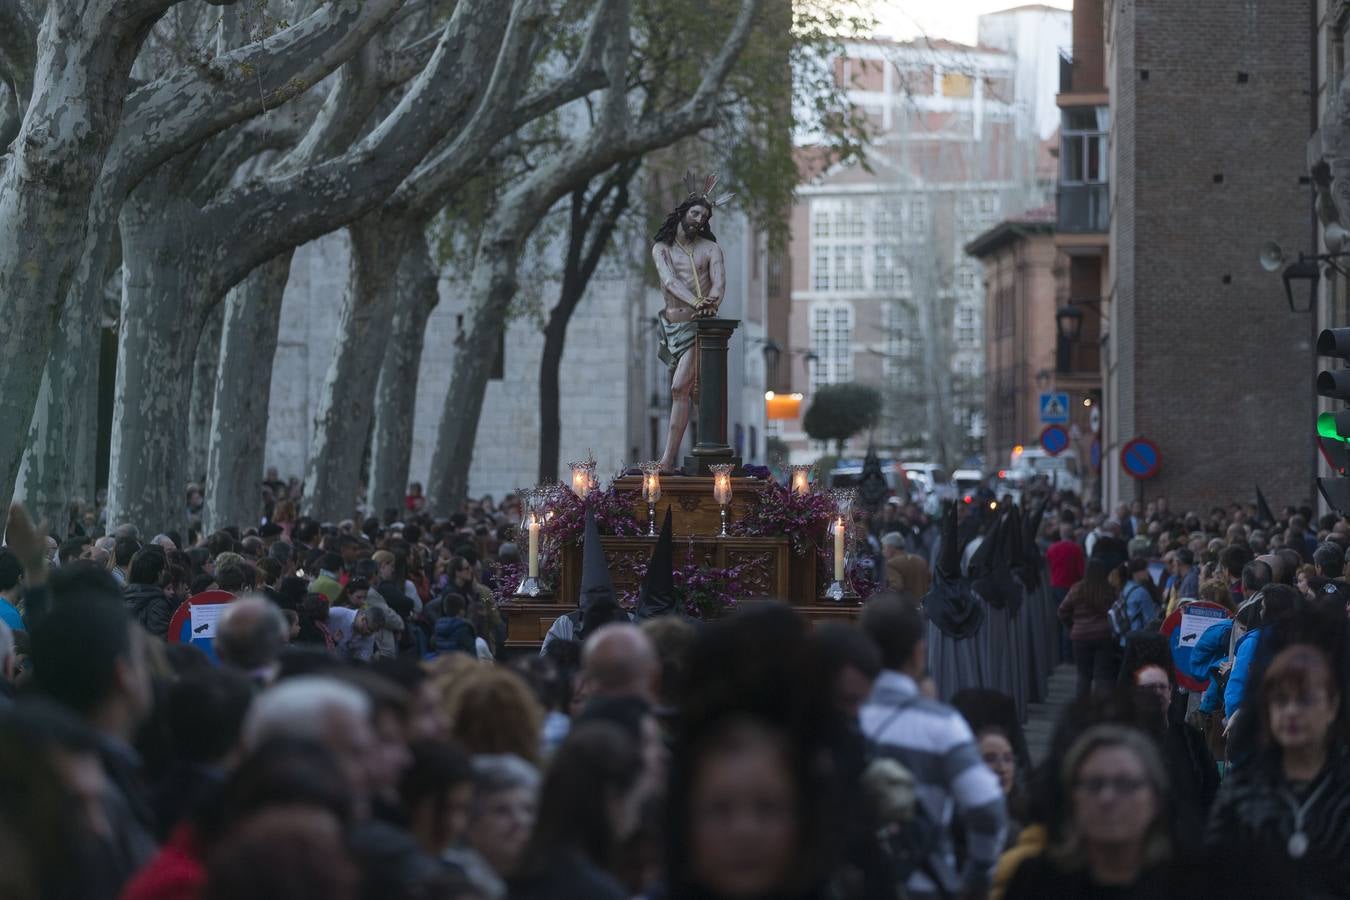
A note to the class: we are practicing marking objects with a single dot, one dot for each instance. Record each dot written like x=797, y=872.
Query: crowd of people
x=359, y=727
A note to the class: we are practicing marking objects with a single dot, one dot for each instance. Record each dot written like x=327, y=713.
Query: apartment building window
x=967, y=329
x=820, y=222
x=820, y=268
x=851, y=220
x=1005, y=315
x=966, y=219
x=967, y=278
x=832, y=342
x=848, y=267
x=988, y=206
x=888, y=273
x=957, y=84
x=890, y=216
x=918, y=217
x=1083, y=146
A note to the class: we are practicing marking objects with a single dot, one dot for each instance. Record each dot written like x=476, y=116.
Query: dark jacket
x=1253, y=819
x=128, y=810
x=1194, y=777
x=392, y=866
x=453, y=634
x=570, y=876
x=149, y=606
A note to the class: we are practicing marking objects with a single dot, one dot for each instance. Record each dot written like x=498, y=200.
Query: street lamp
x=1306, y=267
x=1069, y=322
x=771, y=356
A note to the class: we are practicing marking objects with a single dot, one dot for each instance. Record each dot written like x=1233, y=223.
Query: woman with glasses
x=1287, y=811
x=1116, y=839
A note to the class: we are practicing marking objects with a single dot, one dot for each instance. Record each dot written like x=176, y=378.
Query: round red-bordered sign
x=1054, y=439
x=1183, y=628
x=1141, y=458
x=180, y=625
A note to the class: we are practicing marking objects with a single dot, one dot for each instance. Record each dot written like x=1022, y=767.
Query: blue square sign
x=1055, y=409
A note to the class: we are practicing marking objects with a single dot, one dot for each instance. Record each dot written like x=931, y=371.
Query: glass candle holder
x=801, y=480
x=583, y=477
x=651, y=492
x=722, y=490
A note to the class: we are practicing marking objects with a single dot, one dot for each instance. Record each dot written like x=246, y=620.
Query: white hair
x=301, y=707
x=892, y=539
x=496, y=772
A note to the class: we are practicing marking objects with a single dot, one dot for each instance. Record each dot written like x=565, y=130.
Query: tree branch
x=18, y=50
x=586, y=74
x=187, y=106
x=463, y=155
x=700, y=109
x=286, y=212
x=403, y=65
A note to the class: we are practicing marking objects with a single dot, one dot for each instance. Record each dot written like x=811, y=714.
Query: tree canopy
x=839, y=411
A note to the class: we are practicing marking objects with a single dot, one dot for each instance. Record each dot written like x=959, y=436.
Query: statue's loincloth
x=675, y=339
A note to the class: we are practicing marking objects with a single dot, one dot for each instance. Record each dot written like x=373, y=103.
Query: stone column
x=712, y=446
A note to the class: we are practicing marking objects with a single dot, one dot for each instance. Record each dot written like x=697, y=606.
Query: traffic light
x=1333, y=428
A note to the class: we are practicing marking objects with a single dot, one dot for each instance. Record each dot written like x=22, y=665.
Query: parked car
x=848, y=473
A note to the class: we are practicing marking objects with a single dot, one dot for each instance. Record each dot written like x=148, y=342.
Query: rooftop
x=1040, y=220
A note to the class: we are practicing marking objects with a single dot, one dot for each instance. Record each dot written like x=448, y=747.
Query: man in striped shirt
x=935, y=744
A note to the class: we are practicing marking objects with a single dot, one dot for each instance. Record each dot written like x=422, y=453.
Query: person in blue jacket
x=1208, y=654
x=1276, y=601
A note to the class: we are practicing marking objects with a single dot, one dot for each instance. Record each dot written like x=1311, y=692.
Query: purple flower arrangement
x=703, y=591
x=566, y=522
x=803, y=519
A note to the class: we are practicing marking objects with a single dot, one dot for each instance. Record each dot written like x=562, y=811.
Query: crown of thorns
x=704, y=192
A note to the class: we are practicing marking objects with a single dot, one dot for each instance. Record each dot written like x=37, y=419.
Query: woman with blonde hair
x=1116, y=839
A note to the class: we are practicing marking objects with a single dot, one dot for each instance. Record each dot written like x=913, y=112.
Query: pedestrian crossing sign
x=1054, y=409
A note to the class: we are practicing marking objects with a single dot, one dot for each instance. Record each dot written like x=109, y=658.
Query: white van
x=1025, y=463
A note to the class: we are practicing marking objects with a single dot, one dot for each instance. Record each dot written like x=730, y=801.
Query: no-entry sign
x=1140, y=458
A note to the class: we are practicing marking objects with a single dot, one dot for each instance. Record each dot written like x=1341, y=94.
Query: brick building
x=1209, y=115
x=1026, y=279
x=881, y=290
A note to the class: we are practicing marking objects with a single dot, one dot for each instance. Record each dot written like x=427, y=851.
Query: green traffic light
x=1326, y=427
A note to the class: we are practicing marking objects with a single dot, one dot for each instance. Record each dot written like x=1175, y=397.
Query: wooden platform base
x=527, y=623
x=773, y=570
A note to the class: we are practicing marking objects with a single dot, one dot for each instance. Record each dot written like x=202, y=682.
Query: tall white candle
x=534, y=546
x=839, y=549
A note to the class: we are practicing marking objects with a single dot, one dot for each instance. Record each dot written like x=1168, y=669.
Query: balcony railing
x=1084, y=208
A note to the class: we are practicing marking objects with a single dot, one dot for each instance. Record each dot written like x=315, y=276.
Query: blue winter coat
x=1209, y=651
x=1242, y=665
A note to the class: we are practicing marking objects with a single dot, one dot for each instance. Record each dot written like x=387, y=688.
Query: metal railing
x=1084, y=208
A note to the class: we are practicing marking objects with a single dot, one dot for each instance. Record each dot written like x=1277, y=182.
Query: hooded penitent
x=597, y=601
x=950, y=605
x=657, y=597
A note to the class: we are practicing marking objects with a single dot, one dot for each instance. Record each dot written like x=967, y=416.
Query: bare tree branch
x=183, y=108
x=18, y=50
x=326, y=196
x=464, y=154
x=402, y=65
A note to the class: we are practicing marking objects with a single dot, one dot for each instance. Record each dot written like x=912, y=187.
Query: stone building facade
x=615, y=396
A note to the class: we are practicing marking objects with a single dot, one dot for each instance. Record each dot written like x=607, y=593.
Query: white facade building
x=615, y=395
